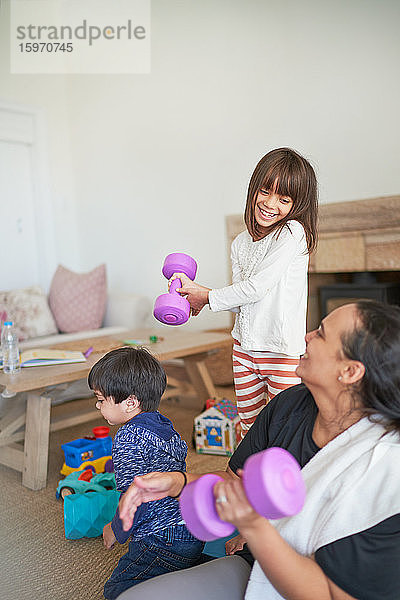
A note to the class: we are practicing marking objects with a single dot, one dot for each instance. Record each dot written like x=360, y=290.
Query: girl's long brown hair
x=288, y=174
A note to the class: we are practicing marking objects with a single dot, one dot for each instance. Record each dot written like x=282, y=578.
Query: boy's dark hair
x=129, y=371
x=295, y=178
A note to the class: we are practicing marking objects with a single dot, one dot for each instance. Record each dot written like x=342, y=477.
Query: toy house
x=217, y=429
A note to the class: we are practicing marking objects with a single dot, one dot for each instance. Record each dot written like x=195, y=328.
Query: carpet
x=37, y=560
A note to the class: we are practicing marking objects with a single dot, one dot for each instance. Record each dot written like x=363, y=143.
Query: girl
x=269, y=274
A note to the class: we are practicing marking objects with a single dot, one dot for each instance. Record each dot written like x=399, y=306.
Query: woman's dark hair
x=129, y=371
x=376, y=343
x=288, y=174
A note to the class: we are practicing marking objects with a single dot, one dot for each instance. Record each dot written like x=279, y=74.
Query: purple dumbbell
x=172, y=308
x=273, y=484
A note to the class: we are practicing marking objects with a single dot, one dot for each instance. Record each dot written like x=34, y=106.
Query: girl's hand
x=196, y=294
x=234, y=544
x=232, y=505
x=145, y=488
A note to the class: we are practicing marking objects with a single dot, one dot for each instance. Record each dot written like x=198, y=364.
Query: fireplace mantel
x=354, y=236
x=362, y=235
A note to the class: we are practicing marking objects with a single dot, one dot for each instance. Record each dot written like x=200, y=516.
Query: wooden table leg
x=11, y=432
x=36, y=450
x=200, y=377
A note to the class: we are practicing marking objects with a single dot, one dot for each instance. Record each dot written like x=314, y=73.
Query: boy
x=128, y=384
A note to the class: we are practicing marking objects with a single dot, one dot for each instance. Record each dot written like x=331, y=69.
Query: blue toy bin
x=81, y=450
x=86, y=514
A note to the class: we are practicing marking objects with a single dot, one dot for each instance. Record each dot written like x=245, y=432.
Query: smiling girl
x=269, y=280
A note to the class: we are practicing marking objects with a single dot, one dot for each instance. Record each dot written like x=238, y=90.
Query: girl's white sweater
x=269, y=291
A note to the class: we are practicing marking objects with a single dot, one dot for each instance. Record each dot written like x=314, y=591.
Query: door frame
x=27, y=125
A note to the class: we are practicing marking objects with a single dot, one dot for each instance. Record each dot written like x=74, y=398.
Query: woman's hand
x=232, y=505
x=234, y=544
x=145, y=488
x=196, y=294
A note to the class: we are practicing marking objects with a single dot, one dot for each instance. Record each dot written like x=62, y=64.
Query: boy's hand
x=234, y=544
x=109, y=538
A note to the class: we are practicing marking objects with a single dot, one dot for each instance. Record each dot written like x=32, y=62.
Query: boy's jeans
x=168, y=550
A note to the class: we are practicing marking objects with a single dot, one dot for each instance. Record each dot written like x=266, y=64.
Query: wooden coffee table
x=29, y=419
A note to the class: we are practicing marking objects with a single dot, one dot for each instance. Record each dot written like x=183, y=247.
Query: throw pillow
x=29, y=311
x=78, y=300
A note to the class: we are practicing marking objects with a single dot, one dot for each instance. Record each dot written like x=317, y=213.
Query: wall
x=144, y=165
x=48, y=93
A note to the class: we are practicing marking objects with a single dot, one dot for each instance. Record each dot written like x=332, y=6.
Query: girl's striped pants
x=258, y=377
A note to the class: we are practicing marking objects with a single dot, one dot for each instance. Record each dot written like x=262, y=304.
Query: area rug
x=37, y=560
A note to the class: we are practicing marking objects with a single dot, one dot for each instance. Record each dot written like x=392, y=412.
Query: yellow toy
x=98, y=465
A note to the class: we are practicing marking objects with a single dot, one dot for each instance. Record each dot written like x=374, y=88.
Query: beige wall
x=143, y=165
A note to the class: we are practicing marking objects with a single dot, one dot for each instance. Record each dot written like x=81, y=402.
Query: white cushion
x=29, y=310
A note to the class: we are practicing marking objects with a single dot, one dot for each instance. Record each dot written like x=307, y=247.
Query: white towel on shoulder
x=352, y=484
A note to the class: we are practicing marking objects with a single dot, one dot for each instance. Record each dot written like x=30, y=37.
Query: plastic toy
x=86, y=514
x=82, y=482
x=100, y=465
x=273, y=484
x=217, y=429
x=94, y=453
x=172, y=308
x=101, y=432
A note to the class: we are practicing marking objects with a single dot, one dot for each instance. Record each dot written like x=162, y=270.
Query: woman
x=342, y=424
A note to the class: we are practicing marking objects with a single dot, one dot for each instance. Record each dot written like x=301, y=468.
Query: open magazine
x=39, y=357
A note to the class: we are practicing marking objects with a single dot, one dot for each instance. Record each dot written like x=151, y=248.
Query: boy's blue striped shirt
x=149, y=443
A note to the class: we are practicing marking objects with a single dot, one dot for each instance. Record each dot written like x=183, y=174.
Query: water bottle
x=9, y=347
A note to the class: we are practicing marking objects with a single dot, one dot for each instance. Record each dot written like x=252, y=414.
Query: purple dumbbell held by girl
x=273, y=484
x=171, y=308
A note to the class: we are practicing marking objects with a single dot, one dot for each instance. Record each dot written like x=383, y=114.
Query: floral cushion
x=78, y=300
x=29, y=311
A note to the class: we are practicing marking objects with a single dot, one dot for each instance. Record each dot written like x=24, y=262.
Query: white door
x=26, y=229
x=19, y=253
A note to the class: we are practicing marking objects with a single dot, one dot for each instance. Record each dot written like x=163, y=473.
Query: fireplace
x=356, y=237
x=358, y=255
x=363, y=285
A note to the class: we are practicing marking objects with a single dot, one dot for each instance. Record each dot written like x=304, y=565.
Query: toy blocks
x=217, y=429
